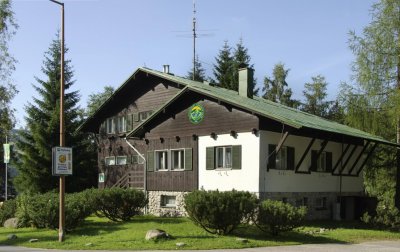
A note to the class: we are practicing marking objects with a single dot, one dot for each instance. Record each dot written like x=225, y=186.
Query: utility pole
x=194, y=39
x=6, y=193
x=61, y=228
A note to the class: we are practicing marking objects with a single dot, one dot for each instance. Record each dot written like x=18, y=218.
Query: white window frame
x=111, y=125
x=121, y=124
x=110, y=158
x=166, y=160
x=182, y=162
x=119, y=158
x=281, y=159
x=321, y=162
x=164, y=201
x=224, y=161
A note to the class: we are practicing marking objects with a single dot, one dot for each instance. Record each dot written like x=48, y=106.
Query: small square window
x=320, y=203
x=110, y=125
x=109, y=160
x=321, y=162
x=161, y=160
x=168, y=201
x=121, y=124
x=224, y=157
x=281, y=159
x=122, y=160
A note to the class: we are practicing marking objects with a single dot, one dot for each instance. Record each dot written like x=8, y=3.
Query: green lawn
x=103, y=234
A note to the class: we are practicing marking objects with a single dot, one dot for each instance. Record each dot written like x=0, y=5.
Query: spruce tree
x=97, y=99
x=276, y=88
x=200, y=73
x=42, y=132
x=315, y=97
x=223, y=69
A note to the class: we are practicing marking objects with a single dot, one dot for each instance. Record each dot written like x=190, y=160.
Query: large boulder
x=11, y=223
x=155, y=234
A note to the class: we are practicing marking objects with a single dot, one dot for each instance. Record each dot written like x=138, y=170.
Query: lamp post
x=61, y=233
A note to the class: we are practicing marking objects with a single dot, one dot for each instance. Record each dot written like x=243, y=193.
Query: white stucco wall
x=289, y=181
x=246, y=179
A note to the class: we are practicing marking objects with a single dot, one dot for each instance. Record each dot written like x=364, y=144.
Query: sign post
x=6, y=161
x=62, y=161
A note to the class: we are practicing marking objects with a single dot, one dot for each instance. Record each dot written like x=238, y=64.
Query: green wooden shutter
x=271, y=156
x=236, y=157
x=314, y=154
x=129, y=122
x=328, y=164
x=188, y=159
x=136, y=117
x=150, y=161
x=210, y=158
x=290, y=158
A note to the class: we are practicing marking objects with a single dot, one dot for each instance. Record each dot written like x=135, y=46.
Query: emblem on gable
x=196, y=113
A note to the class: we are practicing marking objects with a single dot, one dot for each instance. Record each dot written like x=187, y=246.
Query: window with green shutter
x=188, y=159
x=129, y=122
x=271, y=156
x=150, y=161
x=283, y=160
x=323, y=163
x=210, y=158
x=136, y=117
x=237, y=157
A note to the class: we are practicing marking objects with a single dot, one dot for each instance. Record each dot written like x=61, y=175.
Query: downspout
x=144, y=170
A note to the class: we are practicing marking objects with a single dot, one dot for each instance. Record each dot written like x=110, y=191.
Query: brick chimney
x=246, y=82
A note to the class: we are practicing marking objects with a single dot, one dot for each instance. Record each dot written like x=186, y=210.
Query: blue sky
x=109, y=39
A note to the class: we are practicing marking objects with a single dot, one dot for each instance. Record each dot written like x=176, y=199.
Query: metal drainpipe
x=145, y=169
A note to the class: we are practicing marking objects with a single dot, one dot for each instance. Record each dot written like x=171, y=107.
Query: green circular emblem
x=196, y=113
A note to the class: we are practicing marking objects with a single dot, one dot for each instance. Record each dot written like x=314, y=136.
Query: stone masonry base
x=155, y=204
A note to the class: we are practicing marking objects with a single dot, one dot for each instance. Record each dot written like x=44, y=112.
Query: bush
x=119, y=204
x=219, y=212
x=7, y=210
x=42, y=210
x=387, y=217
x=275, y=216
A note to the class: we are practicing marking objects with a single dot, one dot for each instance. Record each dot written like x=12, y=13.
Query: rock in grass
x=11, y=223
x=180, y=244
x=33, y=240
x=242, y=240
x=12, y=237
x=89, y=244
x=156, y=234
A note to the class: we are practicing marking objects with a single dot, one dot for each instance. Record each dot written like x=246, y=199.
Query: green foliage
x=42, y=210
x=275, y=216
x=315, y=97
x=8, y=90
x=200, y=73
x=119, y=204
x=276, y=88
x=8, y=210
x=42, y=133
x=219, y=212
x=97, y=99
x=387, y=217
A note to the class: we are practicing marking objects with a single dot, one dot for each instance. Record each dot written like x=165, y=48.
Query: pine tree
x=276, y=88
x=241, y=57
x=315, y=97
x=200, y=73
x=42, y=133
x=223, y=70
x=97, y=99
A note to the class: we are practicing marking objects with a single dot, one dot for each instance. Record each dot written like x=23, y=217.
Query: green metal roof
x=260, y=106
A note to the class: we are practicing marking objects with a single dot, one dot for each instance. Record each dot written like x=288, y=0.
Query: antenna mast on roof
x=194, y=39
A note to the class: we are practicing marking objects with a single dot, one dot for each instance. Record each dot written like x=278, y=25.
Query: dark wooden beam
x=323, y=145
x=366, y=159
x=281, y=142
x=340, y=159
x=359, y=157
x=304, y=155
x=347, y=159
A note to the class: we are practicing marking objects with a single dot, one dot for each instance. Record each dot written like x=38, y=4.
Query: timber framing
x=323, y=145
x=358, y=157
x=347, y=160
x=340, y=159
x=303, y=157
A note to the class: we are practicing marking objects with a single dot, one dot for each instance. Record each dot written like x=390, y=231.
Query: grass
x=103, y=234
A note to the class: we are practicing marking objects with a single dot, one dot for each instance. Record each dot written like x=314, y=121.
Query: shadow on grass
x=252, y=232
x=158, y=220
x=92, y=228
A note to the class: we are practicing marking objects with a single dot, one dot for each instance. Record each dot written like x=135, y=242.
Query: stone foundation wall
x=155, y=207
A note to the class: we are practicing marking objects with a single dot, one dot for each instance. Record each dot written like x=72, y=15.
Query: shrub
x=275, y=216
x=7, y=210
x=119, y=204
x=387, y=217
x=219, y=212
x=42, y=210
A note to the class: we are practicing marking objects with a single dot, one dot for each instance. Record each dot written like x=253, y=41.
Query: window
x=320, y=203
x=168, y=201
x=110, y=126
x=283, y=160
x=177, y=159
x=161, y=160
x=110, y=160
x=122, y=160
x=224, y=157
x=136, y=159
x=323, y=163
x=302, y=202
x=144, y=115
x=121, y=124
